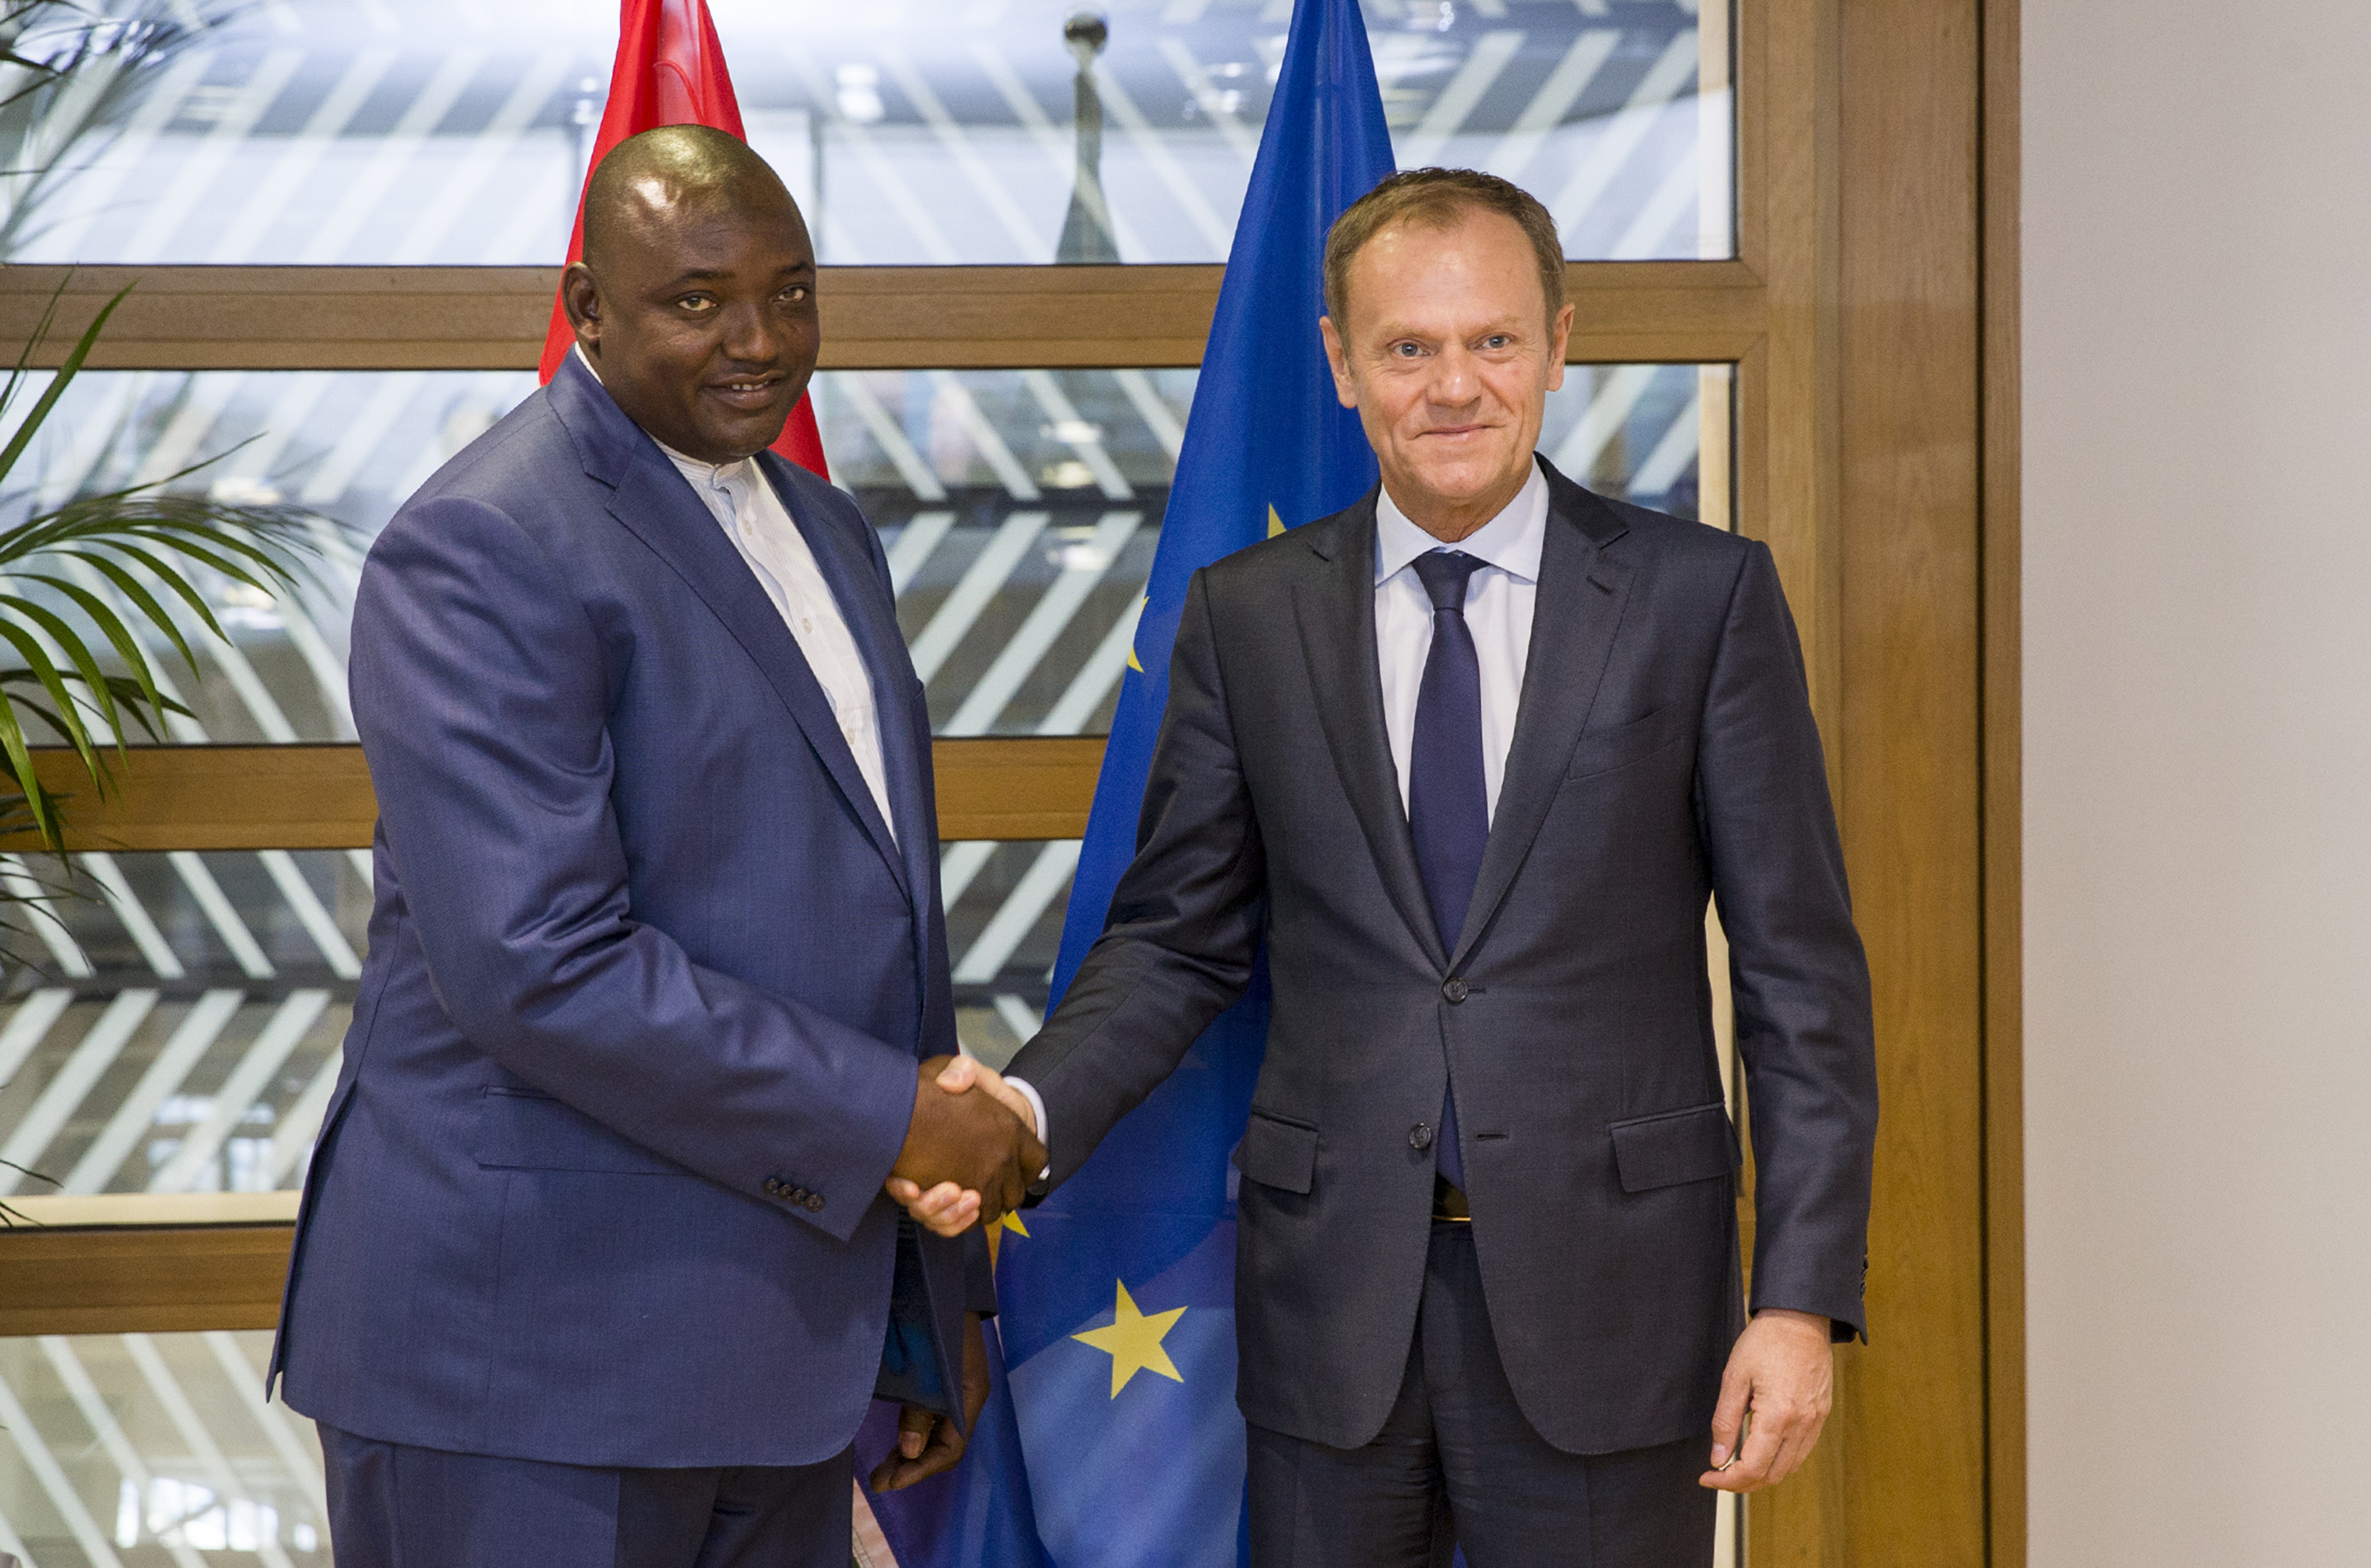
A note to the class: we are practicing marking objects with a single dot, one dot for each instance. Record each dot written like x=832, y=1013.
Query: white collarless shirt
x=744, y=504
x=1499, y=599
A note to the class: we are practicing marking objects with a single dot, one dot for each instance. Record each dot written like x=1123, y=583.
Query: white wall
x=2197, y=537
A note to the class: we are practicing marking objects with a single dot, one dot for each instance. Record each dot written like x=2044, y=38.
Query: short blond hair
x=1438, y=199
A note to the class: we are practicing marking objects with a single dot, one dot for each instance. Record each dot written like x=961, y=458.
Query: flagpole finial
x=1086, y=33
x=1087, y=233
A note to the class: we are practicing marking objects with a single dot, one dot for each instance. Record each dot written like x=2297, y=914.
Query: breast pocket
x=1602, y=751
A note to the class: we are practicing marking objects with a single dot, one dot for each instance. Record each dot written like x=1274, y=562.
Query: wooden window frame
x=1870, y=316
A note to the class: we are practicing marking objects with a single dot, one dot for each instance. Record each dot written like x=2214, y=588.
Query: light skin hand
x=948, y=1209
x=1783, y=1369
x=929, y=1443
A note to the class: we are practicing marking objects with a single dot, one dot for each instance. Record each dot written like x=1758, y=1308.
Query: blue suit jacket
x=649, y=977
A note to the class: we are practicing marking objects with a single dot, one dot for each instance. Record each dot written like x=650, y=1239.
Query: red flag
x=670, y=71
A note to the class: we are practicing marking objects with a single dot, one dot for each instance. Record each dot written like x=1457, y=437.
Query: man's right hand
x=971, y=1142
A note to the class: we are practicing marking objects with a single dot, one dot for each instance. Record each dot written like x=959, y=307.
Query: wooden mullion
x=193, y=318
x=160, y=1279
x=2001, y=676
x=319, y=797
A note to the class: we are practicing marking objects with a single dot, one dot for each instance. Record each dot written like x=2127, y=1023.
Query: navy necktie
x=1449, y=803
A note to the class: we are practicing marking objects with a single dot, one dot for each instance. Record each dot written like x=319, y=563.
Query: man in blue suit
x=595, y=1264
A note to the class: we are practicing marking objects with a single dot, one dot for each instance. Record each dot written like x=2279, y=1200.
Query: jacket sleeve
x=482, y=697
x=1796, y=972
x=1179, y=944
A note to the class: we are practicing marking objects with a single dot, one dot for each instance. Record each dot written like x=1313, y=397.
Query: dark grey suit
x=1664, y=752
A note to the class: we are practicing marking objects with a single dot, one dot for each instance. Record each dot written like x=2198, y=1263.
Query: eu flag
x=1114, y=1429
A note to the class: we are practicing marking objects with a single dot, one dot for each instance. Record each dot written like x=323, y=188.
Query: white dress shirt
x=1499, y=598
x=1499, y=603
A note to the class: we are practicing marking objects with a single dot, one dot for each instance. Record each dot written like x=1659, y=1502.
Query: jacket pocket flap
x=1664, y=1150
x=1279, y=1154
x=1601, y=751
x=534, y=1133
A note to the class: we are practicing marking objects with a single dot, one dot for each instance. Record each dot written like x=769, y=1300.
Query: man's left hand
x=1783, y=1371
x=928, y=1442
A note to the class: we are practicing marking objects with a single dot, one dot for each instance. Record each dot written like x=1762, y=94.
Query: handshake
x=971, y=1150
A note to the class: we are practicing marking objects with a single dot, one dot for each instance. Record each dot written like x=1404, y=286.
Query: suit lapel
x=1582, y=592
x=871, y=614
x=658, y=506
x=1334, y=608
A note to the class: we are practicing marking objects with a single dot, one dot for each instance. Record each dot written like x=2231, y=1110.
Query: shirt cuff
x=1045, y=1134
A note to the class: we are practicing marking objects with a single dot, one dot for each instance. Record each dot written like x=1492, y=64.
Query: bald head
x=695, y=301
x=677, y=169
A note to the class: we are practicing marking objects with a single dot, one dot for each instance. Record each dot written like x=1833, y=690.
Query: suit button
x=1419, y=1137
x=814, y=1203
x=797, y=1195
x=773, y=1187
x=1455, y=989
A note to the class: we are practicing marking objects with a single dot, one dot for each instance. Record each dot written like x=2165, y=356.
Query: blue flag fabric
x=1117, y=1294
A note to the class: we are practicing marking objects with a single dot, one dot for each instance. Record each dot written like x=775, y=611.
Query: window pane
x=141, y=1448
x=185, y=1035
x=326, y=130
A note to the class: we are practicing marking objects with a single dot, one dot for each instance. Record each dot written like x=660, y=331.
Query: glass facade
x=913, y=131
x=133, y=1450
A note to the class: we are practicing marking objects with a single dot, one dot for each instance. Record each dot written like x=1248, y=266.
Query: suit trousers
x=1456, y=1466
x=393, y=1506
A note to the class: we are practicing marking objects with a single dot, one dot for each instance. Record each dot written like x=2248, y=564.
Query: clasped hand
x=968, y=1157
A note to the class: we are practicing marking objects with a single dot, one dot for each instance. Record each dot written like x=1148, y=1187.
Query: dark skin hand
x=929, y=1443
x=968, y=1139
x=695, y=299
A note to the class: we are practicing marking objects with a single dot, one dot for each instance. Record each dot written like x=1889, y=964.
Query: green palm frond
x=98, y=574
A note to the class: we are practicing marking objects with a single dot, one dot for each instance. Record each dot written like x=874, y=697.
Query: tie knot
x=1444, y=574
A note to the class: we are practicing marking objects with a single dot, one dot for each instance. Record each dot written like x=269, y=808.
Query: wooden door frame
x=1902, y=473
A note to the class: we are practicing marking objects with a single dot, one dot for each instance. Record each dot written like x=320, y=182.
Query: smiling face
x=1447, y=351
x=699, y=311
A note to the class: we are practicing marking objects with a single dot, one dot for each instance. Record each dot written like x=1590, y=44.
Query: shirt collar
x=1511, y=541
x=699, y=471
x=692, y=469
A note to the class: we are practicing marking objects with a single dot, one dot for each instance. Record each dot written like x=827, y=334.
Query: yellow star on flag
x=1012, y=1222
x=1275, y=523
x=1133, y=1341
x=1131, y=646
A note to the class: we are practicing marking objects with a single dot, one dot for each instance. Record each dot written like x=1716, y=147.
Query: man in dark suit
x=595, y=1264
x=1468, y=760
